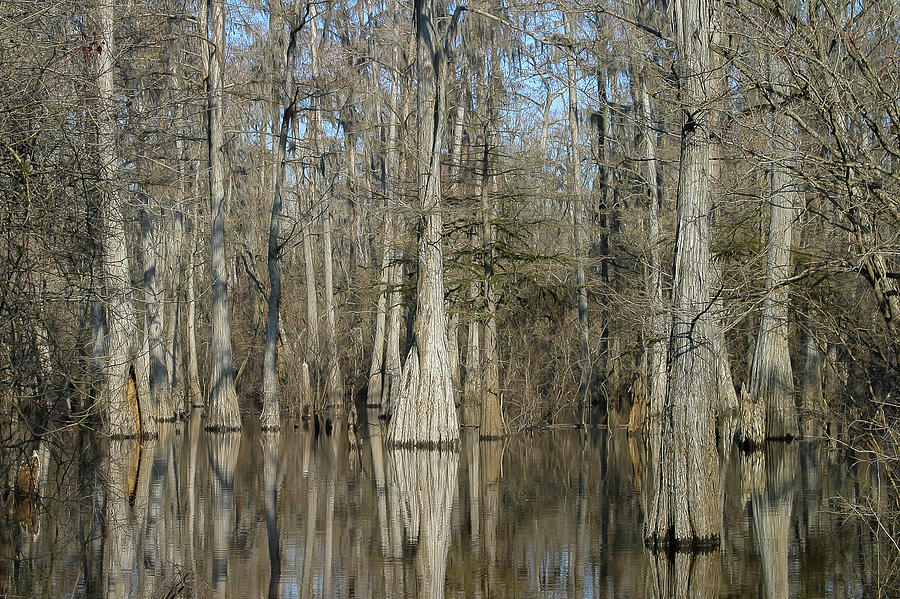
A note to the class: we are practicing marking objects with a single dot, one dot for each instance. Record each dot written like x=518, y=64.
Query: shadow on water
x=301, y=514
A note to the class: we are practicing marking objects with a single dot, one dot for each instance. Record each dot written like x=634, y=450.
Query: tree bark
x=812, y=422
x=120, y=318
x=575, y=194
x=175, y=250
x=224, y=413
x=657, y=330
x=771, y=387
x=376, y=366
x=160, y=389
x=193, y=372
x=334, y=386
x=686, y=511
x=470, y=412
x=491, y=416
x=270, y=417
x=425, y=414
x=392, y=361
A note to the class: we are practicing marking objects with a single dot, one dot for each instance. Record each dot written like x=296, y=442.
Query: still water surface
x=299, y=514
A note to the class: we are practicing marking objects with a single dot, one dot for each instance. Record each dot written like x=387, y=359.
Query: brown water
x=549, y=514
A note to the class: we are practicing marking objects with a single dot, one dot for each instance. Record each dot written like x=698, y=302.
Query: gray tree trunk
x=812, y=422
x=270, y=417
x=224, y=413
x=376, y=366
x=120, y=318
x=141, y=401
x=728, y=404
x=175, y=250
x=392, y=361
x=312, y=304
x=656, y=338
x=575, y=193
x=470, y=413
x=491, y=417
x=160, y=389
x=193, y=371
x=771, y=386
x=425, y=414
x=686, y=506
x=334, y=387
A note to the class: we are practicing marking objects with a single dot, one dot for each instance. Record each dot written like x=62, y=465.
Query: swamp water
x=301, y=514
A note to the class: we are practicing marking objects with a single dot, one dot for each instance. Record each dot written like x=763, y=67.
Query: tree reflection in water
x=271, y=442
x=426, y=480
x=222, y=450
x=544, y=515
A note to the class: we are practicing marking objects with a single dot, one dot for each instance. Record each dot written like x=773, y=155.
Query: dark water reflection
x=554, y=514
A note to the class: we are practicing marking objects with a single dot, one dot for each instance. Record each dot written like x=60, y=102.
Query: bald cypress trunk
x=120, y=318
x=193, y=371
x=491, y=416
x=392, y=362
x=425, y=414
x=376, y=366
x=575, y=194
x=269, y=419
x=686, y=510
x=160, y=389
x=223, y=413
x=656, y=333
x=770, y=411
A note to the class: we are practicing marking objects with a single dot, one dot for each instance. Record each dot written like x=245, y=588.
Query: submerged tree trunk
x=334, y=386
x=470, y=412
x=686, y=508
x=120, y=318
x=575, y=193
x=771, y=387
x=392, y=366
x=223, y=413
x=193, y=372
x=656, y=338
x=425, y=414
x=269, y=419
x=174, y=270
x=376, y=366
x=812, y=421
x=160, y=390
x=491, y=416
x=392, y=362
x=728, y=404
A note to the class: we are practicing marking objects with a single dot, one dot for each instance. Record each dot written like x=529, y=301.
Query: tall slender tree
x=269, y=419
x=121, y=407
x=223, y=413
